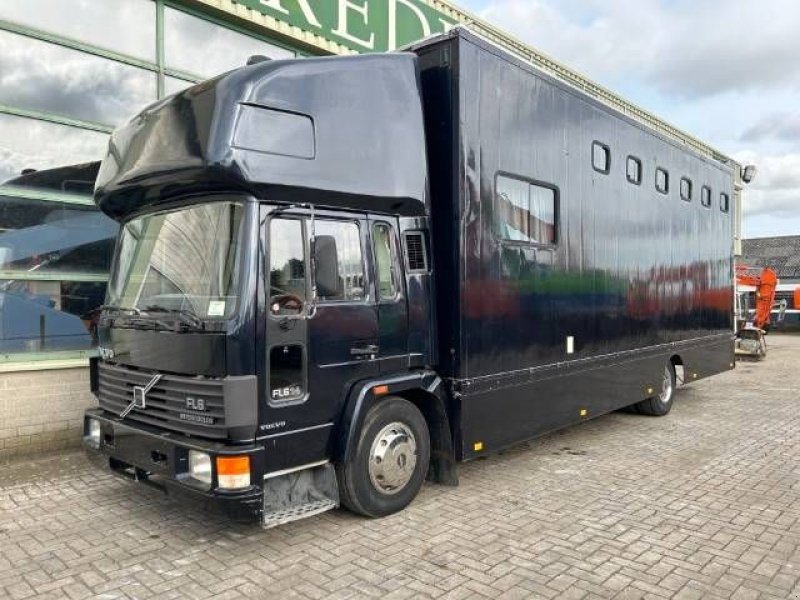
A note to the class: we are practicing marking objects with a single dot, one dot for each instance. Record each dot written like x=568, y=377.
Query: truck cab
x=271, y=281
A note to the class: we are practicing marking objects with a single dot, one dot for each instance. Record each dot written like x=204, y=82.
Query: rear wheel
x=388, y=466
x=661, y=404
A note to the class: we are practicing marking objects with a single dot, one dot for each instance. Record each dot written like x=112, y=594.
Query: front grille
x=166, y=405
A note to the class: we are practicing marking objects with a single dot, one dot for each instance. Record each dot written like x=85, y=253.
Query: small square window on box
x=634, y=170
x=724, y=202
x=662, y=180
x=601, y=158
x=686, y=189
x=705, y=196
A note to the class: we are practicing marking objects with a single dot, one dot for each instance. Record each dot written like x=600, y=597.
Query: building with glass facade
x=70, y=71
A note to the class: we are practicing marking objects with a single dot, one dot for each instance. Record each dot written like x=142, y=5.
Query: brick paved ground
x=704, y=503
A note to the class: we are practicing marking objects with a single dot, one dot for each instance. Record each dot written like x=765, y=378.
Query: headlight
x=93, y=432
x=200, y=466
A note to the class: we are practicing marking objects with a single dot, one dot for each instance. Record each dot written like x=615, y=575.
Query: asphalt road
x=703, y=503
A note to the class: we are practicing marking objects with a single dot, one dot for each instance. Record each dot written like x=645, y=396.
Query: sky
x=726, y=71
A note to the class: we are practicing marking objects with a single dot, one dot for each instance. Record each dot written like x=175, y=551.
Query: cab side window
x=287, y=267
x=341, y=280
x=385, y=260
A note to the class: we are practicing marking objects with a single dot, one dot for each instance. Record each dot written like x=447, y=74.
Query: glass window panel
x=204, y=48
x=705, y=196
x=286, y=374
x=33, y=144
x=662, y=180
x=601, y=157
x=173, y=85
x=40, y=237
x=525, y=211
x=512, y=206
x=37, y=75
x=37, y=316
x=186, y=259
x=348, y=253
x=287, y=267
x=384, y=261
x=686, y=189
x=124, y=26
x=54, y=261
x=634, y=172
x=543, y=215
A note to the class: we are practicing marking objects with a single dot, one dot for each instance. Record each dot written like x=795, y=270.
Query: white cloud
x=776, y=189
x=780, y=126
x=681, y=48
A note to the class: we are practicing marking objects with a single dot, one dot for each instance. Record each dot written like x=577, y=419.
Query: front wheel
x=388, y=466
x=660, y=405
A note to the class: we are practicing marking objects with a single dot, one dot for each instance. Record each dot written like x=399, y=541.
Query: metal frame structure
x=72, y=358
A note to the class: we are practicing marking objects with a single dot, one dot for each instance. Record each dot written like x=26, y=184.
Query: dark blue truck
x=336, y=277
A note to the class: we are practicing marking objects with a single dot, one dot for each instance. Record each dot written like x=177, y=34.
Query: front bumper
x=161, y=460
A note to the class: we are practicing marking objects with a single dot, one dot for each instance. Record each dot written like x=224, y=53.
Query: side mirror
x=326, y=266
x=749, y=173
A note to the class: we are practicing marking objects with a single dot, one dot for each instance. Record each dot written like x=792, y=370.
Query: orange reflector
x=380, y=390
x=233, y=465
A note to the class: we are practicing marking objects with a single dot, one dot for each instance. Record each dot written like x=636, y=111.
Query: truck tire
x=389, y=463
x=660, y=405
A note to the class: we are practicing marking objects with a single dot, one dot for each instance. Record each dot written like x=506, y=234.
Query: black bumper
x=161, y=460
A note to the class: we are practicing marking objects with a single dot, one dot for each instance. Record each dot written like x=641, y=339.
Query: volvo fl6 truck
x=337, y=277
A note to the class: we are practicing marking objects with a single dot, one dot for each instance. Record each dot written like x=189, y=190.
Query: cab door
x=317, y=351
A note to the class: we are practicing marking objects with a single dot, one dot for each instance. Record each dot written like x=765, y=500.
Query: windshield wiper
x=142, y=323
x=184, y=315
x=117, y=309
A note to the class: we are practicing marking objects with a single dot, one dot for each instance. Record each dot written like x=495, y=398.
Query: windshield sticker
x=216, y=308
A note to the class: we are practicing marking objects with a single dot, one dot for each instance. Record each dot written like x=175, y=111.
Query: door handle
x=367, y=350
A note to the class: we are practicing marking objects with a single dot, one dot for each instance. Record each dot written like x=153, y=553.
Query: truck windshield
x=182, y=261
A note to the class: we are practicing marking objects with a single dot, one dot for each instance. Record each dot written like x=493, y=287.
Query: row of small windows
x=601, y=162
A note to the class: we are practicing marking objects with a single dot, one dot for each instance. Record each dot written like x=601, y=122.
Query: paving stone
x=703, y=503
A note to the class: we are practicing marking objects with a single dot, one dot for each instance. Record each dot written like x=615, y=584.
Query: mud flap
x=299, y=494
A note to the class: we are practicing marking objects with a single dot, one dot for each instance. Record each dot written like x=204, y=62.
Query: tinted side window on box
x=525, y=211
x=662, y=180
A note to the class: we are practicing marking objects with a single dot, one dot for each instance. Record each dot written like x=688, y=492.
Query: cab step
x=299, y=493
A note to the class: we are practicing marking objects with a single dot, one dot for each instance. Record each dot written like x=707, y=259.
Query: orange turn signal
x=233, y=465
x=233, y=472
x=380, y=390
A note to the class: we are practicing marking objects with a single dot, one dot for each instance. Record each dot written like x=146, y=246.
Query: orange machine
x=750, y=335
x=766, y=282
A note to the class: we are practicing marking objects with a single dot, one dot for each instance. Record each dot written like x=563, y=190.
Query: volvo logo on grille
x=140, y=396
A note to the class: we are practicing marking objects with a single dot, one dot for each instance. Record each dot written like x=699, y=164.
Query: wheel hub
x=392, y=458
x=666, y=387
